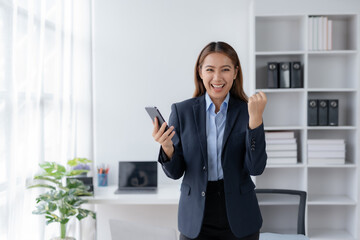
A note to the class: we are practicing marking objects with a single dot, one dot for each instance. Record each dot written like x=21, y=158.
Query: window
x=38, y=118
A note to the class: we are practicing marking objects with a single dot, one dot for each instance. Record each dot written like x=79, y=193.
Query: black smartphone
x=155, y=113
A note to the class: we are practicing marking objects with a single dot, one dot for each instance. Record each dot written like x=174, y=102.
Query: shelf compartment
x=299, y=165
x=299, y=136
x=262, y=69
x=279, y=219
x=332, y=222
x=285, y=109
x=281, y=90
x=282, y=33
x=331, y=185
x=351, y=143
x=344, y=32
x=280, y=53
x=331, y=128
x=329, y=234
x=347, y=105
x=280, y=178
x=346, y=165
x=338, y=90
x=332, y=71
x=283, y=128
x=332, y=52
x=326, y=199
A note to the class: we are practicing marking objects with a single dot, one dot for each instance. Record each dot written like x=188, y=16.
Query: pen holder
x=102, y=179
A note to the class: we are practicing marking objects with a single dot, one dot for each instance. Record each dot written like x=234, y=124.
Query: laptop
x=137, y=177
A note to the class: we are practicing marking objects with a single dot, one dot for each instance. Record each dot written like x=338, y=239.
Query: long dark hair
x=237, y=89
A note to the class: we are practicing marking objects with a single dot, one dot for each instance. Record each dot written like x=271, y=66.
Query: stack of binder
x=326, y=151
x=281, y=147
x=323, y=112
x=284, y=75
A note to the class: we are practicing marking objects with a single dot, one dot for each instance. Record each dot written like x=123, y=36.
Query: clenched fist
x=256, y=106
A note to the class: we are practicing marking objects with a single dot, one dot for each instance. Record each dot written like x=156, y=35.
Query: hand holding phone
x=161, y=135
x=155, y=113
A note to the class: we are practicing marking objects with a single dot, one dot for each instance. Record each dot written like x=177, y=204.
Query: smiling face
x=217, y=73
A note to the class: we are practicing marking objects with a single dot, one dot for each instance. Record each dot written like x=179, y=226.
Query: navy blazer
x=243, y=154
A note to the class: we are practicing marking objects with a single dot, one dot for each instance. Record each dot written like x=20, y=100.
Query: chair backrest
x=124, y=230
x=302, y=203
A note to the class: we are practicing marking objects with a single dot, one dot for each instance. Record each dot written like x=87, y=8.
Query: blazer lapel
x=234, y=110
x=200, y=121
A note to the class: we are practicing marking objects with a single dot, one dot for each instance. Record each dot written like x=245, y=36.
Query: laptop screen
x=137, y=175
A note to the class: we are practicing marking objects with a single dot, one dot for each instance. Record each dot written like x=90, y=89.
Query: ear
x=236, y=71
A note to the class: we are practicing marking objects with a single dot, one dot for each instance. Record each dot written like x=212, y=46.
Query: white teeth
x=217, y=86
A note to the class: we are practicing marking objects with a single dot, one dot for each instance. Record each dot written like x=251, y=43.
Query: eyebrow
x=221, y=66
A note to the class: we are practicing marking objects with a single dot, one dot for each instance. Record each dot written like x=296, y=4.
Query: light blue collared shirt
x=215, y=127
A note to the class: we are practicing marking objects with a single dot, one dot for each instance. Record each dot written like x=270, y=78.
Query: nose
x=217, y=75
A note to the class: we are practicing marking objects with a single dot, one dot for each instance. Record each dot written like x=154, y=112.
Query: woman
x=216, y=141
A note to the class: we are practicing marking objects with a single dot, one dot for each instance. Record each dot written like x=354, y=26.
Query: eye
x=226, y=69
x=209, y=70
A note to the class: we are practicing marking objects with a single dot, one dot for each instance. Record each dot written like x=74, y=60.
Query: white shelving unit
x=332, y=210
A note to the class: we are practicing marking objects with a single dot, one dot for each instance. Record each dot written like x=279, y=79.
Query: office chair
x=123, y=230
x=301, y=216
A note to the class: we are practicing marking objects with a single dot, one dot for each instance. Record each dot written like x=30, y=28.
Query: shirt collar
x=209, y=102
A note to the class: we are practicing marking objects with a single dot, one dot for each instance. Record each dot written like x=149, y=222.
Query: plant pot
x=66, y=238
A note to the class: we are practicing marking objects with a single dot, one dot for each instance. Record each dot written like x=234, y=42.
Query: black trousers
x=215, y=223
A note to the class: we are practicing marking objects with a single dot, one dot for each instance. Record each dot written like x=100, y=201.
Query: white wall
x=144, y=53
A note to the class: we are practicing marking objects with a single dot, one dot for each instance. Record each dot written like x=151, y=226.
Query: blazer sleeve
x=175, y=167
x=255, y=157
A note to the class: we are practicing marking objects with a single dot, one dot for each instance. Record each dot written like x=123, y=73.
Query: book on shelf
x=325, y=141
x=329, y=35
x=326, y=154
x=279, y=135
x=282, y=160
x=326, y=151
x=280, y=147
x=320, y=33
x=324, y=33
x=326, y=147
x=310, y=39
x=280, y=141
x=275, y=154
x=320, y=161
x=314, y=35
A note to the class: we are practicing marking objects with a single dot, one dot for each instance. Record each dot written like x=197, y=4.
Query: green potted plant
x=82, y=165
x=63, y=199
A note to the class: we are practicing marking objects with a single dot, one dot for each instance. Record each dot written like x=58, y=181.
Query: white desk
x=158, y=208
x=166, y=194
